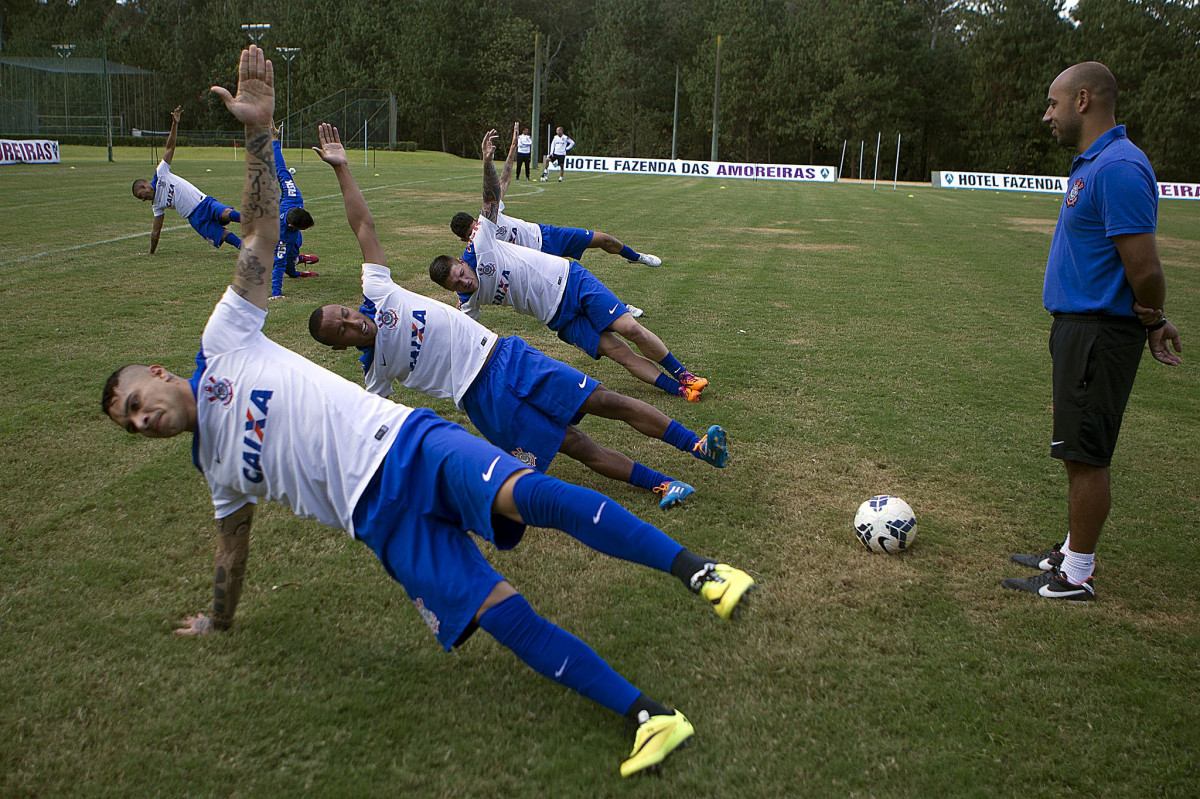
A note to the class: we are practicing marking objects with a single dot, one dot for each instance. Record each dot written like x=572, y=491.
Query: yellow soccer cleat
x=725, y=587
x=657, y=737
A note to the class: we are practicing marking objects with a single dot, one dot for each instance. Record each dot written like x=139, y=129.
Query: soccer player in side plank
x=408, y=484
x=521, y=400
x=566, y=242
x=167, y=190
x=558, y=292
x=294, y=219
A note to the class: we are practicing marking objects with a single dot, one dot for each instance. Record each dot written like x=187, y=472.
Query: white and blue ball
x=885, y=524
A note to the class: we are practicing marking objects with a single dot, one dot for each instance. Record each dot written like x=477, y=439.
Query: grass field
x=858, y=342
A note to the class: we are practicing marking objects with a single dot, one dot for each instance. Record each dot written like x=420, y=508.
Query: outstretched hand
x=331, y=150
x=176, y=114
x=254, y=104
x=489, y=143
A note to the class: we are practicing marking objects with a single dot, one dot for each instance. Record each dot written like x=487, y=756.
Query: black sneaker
x=1043, y=561
x=1053, y=585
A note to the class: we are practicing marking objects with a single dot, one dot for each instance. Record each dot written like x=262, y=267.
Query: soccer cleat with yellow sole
x=725, y=587
x=657, y=737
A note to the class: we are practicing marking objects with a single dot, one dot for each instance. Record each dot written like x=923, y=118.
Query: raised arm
x=510, y=160
x=169, y=147
x=358, y=215
x=229, y=571
x=491, y=181
x=254, y=106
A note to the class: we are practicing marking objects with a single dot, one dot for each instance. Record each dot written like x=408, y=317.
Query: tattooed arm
x=506, y=175
x=254, y=106
x=229, y=570
x=491, y=181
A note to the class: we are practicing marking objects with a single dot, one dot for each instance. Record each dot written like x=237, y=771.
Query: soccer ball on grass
x=885, y=524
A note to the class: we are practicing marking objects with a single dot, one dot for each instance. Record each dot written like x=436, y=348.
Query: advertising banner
x=29, y=151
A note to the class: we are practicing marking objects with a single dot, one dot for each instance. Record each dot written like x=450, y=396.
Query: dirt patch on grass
x=1031, y=225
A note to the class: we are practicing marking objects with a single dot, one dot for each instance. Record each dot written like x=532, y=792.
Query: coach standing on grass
x=1105, y=287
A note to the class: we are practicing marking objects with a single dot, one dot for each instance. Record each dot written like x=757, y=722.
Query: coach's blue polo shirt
x=1112, y=191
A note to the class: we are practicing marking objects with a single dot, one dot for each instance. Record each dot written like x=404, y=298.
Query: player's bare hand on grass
x=331, y=150
x=195, y=625
x=254, y=103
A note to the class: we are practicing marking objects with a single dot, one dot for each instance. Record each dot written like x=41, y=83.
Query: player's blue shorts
x=437, y=482
x=567, y=242
x=205, y=219
x=588, y=308
x=524, y=400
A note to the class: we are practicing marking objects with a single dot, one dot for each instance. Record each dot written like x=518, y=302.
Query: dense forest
x=962, y=81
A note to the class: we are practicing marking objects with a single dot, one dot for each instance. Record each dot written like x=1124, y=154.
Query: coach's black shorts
x=1095, y=361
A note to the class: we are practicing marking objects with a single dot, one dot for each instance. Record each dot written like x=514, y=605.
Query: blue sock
x=232, y=239
x=667, y=384
x=680, y=437
x=235, y=216
x=628, y=253
x=672, y=366
x=646, y=478
x=592, y=519
x=556, y=654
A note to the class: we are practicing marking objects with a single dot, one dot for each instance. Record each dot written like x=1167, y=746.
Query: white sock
x=1066, y=543
x=1076, y=567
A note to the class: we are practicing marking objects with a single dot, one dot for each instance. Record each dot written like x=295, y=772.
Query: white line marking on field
x=23, y=259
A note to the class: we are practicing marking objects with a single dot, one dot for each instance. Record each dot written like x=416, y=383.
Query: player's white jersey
x=518, y=231
x=423, y=343
x=524, y=143
x=172, y=191
x=531, y=281
x=270, y=423
x=560, y=144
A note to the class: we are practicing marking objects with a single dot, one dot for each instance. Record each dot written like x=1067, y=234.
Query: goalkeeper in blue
x=521, y=400
x=294, y=219
x=419, y=491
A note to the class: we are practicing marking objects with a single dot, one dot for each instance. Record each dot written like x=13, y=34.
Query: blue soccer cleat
x=672, y=492
x=711, y=448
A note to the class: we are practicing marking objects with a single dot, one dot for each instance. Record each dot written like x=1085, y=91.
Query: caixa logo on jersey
x=252, y=441
x=416, y=339
x=218, y=390
x=387, y=318
x=501, y=289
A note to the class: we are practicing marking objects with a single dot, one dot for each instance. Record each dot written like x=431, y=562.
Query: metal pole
x=535, y=150
x=842, y=160
x=896, y=170
x=64, y=51
x=289, y=55
x=675, y=119
x=878, y=139
x=365, y=151
x=107, y=100
x=861, y=145
x=716, y=101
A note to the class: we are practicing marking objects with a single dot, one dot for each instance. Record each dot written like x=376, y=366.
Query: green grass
x=857, y=341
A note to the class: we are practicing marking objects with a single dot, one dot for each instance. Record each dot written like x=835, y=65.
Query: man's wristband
x=1159, y=325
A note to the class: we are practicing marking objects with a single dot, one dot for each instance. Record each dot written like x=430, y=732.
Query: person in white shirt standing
x=559, y=146
x=524, y=152
x=207, y=216
x=407, y=483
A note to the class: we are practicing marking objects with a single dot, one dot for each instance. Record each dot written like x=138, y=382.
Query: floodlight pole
x=289, y=55
x=675, y=117
x=716, y=101
x=64, y=51
x=256, y=30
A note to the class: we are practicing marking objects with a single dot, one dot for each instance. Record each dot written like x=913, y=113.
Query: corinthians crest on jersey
x=218, y=390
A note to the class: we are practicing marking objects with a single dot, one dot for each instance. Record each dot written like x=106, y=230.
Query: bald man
x=1105, y=287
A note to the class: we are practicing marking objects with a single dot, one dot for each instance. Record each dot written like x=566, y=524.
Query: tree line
x=962, y=81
